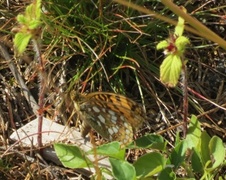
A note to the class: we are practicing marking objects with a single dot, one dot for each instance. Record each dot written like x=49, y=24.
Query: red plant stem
x=185, y=97
x=41, y=90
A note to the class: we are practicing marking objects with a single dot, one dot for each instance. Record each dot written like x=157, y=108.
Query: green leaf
x=29, y=12
x=149, y=164
x=21, y=41
x=33, y=24
x=28, y=22
x=33, y=11
x=162, y=45
x=205, y=154
x=168, y=174
x=181, y=43
x=194, y=133
x=196, y=162
x=217, y=152
x=21, y=19
x=71, y=156
x=179, y=29
x=150, y=141
x=38, y=9
x=122, y=169
x=170, y=70
x=178, y=154
x=177, y=138
x=112, y=149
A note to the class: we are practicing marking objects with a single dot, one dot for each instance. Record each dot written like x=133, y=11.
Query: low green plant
x=174, y=46
x=198, y=156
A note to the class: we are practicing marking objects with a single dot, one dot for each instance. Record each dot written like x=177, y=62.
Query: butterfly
x=115, y=117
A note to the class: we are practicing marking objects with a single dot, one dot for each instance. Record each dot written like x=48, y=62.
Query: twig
x=4, y=53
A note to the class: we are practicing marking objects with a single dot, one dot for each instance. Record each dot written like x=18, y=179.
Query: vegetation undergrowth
x=198, y=156
x=107, y=46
